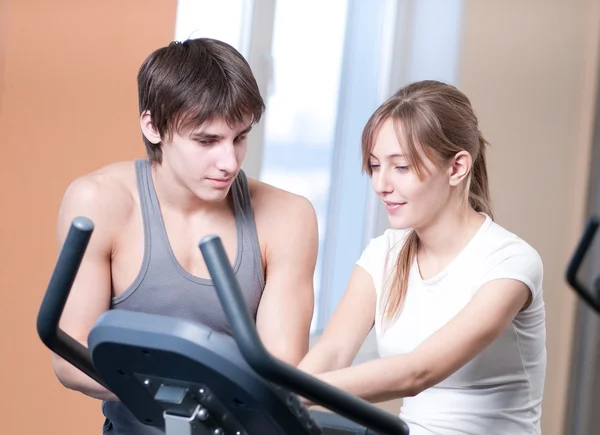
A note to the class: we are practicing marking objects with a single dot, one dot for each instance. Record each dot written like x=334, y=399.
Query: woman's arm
x=346, y=331
x=474, y=328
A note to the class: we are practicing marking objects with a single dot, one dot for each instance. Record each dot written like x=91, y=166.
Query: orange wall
x=68, y=104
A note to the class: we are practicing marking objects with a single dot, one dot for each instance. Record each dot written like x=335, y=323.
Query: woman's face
x=411, y=202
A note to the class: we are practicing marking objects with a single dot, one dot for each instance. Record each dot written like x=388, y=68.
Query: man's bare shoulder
x=276, y=207
x=106, y=196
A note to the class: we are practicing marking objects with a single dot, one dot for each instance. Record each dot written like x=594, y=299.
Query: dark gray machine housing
x=162, y=367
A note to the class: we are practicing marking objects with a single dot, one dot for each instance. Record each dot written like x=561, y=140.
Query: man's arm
x=91, y=291
x=286, y=307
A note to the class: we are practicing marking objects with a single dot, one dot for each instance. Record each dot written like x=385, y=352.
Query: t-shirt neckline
x=443, y=273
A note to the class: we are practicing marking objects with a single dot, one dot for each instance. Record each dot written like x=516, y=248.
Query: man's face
x=207, y=159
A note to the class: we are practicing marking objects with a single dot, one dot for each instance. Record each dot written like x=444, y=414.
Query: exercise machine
x=186, y=379
x=590, y=296
x=583, y=399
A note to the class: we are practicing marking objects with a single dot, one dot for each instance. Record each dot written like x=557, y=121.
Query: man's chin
x=213, y=195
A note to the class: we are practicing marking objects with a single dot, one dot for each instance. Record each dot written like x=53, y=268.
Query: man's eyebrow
x=205, y=135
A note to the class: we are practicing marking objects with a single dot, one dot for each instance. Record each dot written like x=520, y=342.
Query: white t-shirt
x=500, y=390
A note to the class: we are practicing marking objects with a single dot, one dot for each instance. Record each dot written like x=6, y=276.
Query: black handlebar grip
x=56, y=296
x=583, y=246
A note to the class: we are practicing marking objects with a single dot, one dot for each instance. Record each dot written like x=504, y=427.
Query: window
x=302, y=106
x=227, y=21
x=325, y=85
x=323, y=68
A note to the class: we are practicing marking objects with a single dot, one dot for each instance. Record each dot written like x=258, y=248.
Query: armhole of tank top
x=107, y=425
x=141, y=171
x=248, y=217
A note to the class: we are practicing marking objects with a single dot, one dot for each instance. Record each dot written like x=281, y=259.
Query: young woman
x=455, y=299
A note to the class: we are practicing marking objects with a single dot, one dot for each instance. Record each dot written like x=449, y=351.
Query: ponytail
x=479, y=194
x=396, y=292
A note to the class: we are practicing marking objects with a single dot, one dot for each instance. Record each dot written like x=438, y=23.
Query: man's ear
x=460, y=167
x=148, y=128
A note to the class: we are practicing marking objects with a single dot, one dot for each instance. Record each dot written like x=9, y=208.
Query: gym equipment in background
x=590, y=296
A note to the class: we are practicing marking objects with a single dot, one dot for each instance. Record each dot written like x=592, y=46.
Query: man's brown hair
x=186, y=84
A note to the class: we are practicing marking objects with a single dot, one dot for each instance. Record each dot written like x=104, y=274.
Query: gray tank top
x=164, y=287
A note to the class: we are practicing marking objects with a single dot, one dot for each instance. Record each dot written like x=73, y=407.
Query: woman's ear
x=460, y=167
x=148, y=128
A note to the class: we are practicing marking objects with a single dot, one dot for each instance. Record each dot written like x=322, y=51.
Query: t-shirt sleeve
x=520, y=262
x=379, y=256
x=368, y=259
x=372, y=261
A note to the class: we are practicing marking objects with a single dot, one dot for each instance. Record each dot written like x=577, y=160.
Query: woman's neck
x=448, y=235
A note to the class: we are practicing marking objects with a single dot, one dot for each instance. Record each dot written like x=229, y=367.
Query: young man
x=198, y=101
